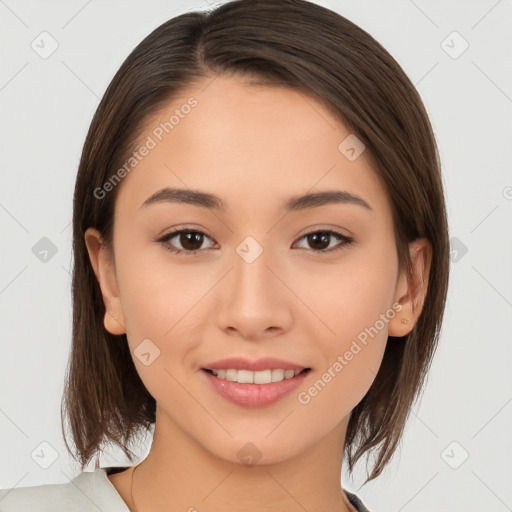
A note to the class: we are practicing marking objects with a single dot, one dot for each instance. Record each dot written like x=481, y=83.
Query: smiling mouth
x=255, y=377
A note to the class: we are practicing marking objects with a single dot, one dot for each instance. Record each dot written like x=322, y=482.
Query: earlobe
x=105, y=274
x=112, y=323
x=411, y=289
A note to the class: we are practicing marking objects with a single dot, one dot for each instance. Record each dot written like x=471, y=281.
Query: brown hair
x=313, y=50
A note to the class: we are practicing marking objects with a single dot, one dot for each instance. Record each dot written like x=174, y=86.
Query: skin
x=254, y=146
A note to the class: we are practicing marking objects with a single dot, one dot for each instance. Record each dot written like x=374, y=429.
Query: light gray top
x=88, y=491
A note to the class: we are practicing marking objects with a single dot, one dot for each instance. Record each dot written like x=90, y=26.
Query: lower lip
x=255, y=395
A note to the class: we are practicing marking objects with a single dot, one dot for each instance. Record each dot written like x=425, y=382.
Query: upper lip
x=265, y=363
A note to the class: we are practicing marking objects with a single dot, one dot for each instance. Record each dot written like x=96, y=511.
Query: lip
x=265, y=363
x=254, y=395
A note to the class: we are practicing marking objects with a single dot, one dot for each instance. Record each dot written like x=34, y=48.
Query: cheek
x=157, y=296
x=353, y=303
x=351, y=357
x=340, y=386
x=163, y=311
x=350, y=295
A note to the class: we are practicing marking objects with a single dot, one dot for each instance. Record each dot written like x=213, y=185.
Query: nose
x=254, y=301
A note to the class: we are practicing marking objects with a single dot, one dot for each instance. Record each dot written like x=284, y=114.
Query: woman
x=260, y=266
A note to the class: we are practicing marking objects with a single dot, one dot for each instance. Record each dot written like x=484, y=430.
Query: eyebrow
x=293, y=204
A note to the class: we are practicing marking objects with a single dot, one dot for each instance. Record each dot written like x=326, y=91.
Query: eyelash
x=165, y=239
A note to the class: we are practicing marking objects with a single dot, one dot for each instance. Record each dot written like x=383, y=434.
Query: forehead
x=247, y=143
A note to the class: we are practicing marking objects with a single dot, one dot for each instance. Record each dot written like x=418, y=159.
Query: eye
x=190, y=240
x=320, y=240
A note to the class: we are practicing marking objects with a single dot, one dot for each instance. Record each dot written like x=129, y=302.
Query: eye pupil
x=320, y=237
x=190, y=238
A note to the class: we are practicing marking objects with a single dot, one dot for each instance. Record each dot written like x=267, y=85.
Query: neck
x=179, y=474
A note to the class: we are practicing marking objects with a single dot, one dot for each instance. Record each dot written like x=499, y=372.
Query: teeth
x=249, y=377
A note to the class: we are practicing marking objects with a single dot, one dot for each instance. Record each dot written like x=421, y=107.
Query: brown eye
x=320, y=241
x=188, y=241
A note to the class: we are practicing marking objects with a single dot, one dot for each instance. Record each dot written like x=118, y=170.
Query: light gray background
x=47, y=105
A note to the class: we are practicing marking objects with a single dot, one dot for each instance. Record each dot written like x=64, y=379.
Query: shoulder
x=87, y=491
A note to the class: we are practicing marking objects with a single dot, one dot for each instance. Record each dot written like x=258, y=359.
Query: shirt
x=88, y=491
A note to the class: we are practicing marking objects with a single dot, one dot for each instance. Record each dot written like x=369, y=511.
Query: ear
x=411, y=289
x=104, y=269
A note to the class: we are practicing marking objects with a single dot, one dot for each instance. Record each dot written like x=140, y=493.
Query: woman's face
x=257, y=286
